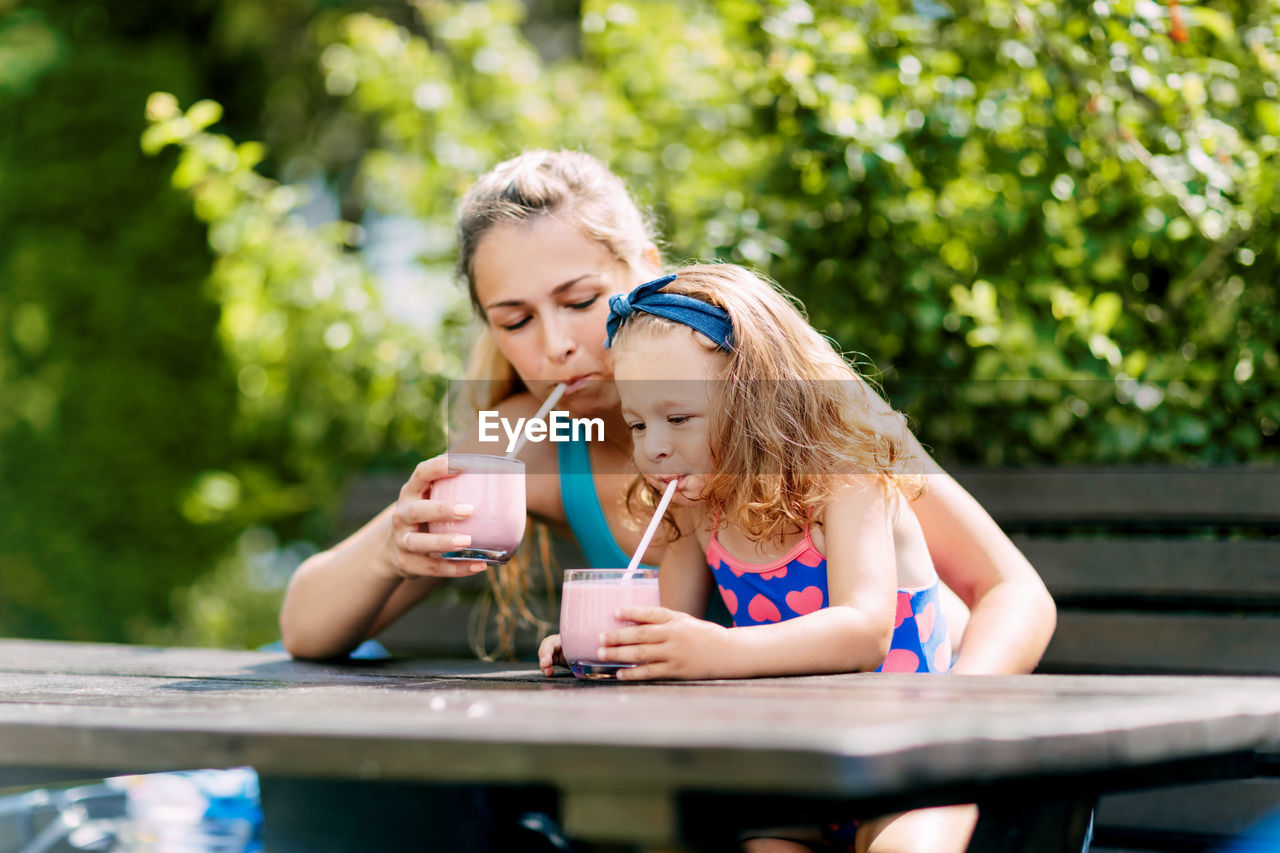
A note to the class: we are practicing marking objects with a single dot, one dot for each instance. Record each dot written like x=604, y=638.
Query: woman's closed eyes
x=524, y=321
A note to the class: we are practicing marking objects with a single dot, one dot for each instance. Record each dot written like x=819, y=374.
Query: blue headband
x=697, y=315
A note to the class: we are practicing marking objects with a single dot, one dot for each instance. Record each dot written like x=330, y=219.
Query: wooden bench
x=1155, y=570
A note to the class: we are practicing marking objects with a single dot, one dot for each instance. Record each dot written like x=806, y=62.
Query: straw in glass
x=552, y=399
x=653, y=527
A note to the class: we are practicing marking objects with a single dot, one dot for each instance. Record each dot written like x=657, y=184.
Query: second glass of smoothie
x=587, y=604
x=494, y=486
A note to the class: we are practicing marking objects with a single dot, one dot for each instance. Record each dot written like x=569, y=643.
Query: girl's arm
x=852, y=634
x=684, y=581
x=342, y=596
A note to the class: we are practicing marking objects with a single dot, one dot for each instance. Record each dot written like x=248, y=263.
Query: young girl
x=793, y=487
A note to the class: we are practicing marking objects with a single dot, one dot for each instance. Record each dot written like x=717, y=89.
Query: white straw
x=653, y=527
x=552, y=399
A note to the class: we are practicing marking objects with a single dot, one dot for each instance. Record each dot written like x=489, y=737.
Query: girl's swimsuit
x=757, y=594
x=796, y=584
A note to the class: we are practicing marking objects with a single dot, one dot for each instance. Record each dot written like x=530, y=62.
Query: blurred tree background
x=1050, y=228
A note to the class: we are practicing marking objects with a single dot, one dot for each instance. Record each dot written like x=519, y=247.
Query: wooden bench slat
x=1246, y=572
x=365, y=497
x=442, y=630
x=1117, y=642
x=1237, y=495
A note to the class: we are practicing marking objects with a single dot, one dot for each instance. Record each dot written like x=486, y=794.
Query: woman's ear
x=651, y=256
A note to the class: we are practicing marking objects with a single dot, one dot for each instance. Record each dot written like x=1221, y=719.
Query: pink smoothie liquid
x=587, y=604
x=494, y=486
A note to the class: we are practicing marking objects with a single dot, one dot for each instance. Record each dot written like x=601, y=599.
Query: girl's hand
x=667, y=644
x=551, y=655
x=409, y=547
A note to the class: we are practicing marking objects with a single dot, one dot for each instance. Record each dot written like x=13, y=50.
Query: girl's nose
x=656, y=449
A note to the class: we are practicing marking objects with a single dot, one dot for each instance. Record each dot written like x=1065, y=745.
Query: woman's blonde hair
x=789, y=410
x=578, y=190
x=571, y=186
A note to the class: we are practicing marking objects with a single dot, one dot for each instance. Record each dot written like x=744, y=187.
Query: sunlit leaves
x=1052, y=225
x=319, y=365
x=29, y=47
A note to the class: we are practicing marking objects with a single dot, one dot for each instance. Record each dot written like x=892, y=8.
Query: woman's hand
x=551, y=655
x=668, y=644
x=409, y=548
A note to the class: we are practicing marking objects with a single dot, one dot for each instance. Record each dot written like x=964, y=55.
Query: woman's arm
x=852, y=634
x=1012, y=615
x=339, y=597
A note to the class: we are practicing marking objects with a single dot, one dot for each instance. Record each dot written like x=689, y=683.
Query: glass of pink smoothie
x=494, y=486
x=587, y=604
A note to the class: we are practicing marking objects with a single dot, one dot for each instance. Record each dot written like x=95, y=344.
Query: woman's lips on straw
x=576, y=382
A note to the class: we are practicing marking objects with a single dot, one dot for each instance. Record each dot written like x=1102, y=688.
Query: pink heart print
x=805, y=600
x=776, y=573
x=900, y=660
x=730, y=600
x=904, y=608
x=762, y=609
x=924, y=622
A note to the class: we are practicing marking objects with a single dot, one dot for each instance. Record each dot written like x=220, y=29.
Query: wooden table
x=662, y=765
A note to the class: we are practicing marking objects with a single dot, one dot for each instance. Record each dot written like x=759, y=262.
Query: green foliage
x=114, y=389
x=28, y=48
x=1052, y=227
x=152, y=411
x=327, y=379
x=1055, y=225
x=237, y=603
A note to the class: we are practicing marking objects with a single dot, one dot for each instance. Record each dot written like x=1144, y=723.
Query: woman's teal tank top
x=582, y=508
